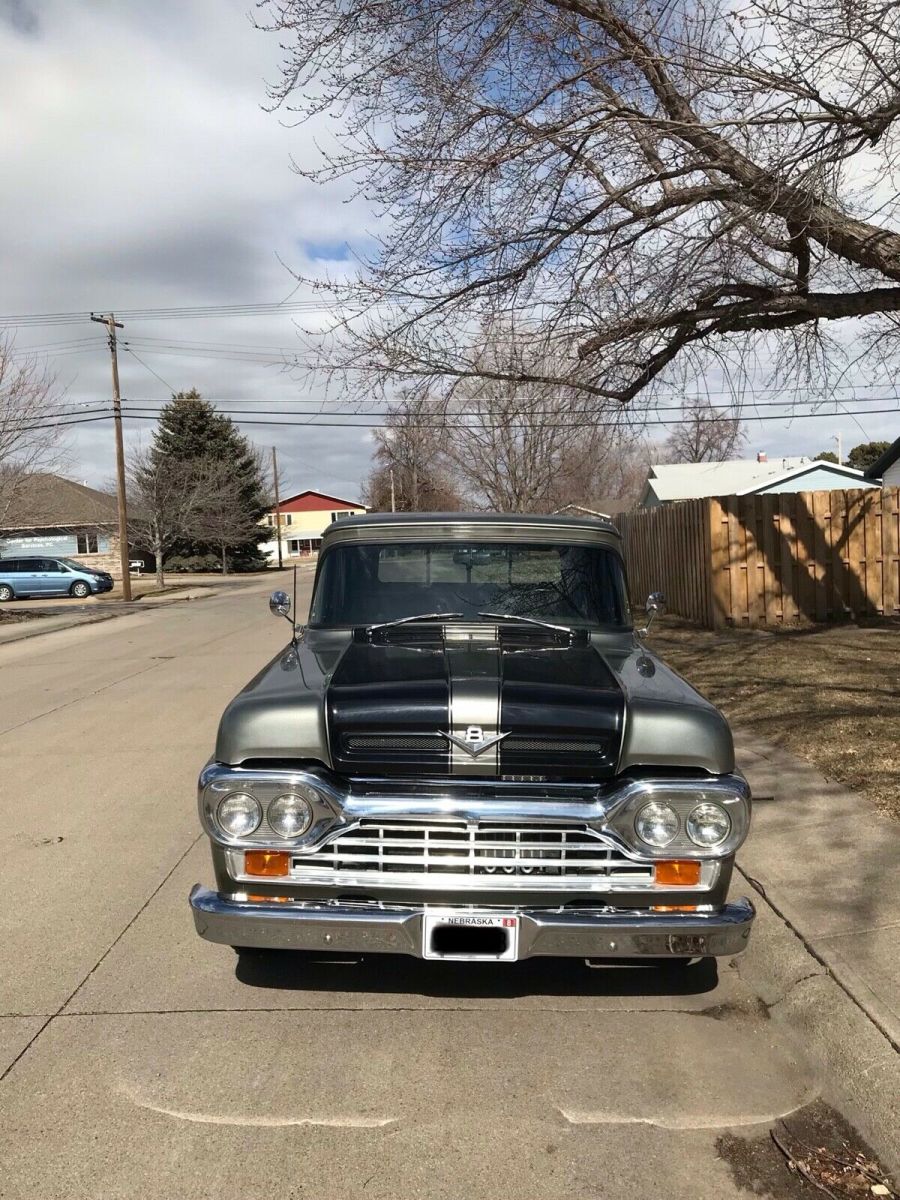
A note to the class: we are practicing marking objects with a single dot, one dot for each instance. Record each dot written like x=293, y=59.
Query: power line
x=176, y=313
x=134, y=354
x=62, y=424
x=312, y=423
x=239, y=404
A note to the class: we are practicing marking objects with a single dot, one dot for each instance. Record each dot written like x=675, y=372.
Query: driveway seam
x=356, y=1008
x=79, y=699
x=153, y=666
x=102, y=957
x=811, y=950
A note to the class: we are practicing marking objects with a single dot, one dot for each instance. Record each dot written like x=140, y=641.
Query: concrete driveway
x=140, y=1060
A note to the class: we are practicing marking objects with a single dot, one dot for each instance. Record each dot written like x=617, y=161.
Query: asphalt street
x=139, y=1060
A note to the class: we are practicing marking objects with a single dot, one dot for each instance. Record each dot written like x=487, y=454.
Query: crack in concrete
x=813, y=953
x=102, y=957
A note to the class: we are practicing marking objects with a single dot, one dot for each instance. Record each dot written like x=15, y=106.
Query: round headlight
x=290, y=815
x=239, y=814
x=708, y=825
x=656, y=824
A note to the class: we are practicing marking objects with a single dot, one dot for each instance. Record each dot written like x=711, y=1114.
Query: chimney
x=761, y=456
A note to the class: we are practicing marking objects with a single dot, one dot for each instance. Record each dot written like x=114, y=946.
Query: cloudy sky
x=139, y=170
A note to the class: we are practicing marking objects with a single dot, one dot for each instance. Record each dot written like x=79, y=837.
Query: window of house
x=87, y=543
x=270, y=518
x=337, y=516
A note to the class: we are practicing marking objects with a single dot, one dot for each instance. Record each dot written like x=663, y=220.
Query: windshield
x=74, y=566
x=367, y=584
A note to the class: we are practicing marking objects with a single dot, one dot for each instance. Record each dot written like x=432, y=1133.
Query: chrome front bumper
x=397, y=929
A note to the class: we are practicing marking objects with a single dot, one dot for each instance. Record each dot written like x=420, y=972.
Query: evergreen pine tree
x=190, y=429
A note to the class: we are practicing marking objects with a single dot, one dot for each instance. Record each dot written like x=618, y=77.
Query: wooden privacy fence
x=769, y=559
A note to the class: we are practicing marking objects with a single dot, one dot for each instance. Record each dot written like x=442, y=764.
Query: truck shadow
x=387, y=974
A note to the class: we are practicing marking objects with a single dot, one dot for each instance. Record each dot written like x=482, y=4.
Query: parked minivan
x=50, y=577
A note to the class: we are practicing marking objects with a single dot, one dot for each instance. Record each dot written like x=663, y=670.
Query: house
x=608, y=508
x=886, y=470
x=48, y=514
x=667, y=482
x=303, y=518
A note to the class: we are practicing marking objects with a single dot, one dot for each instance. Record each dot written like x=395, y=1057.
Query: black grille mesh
x=552, y=745
x=392, y=742
x=510, y=745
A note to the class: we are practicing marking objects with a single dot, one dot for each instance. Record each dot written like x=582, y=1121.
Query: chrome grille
x=472, y=854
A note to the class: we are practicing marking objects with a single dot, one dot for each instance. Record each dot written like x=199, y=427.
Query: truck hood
x=474, y=707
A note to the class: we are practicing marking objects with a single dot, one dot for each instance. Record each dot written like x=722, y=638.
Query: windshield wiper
x=438, y=616
x=527, y=621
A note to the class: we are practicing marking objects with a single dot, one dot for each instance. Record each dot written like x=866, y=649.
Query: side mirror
x=656, y=603
x=280, y=605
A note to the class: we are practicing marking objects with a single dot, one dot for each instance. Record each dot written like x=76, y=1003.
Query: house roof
x=308, y=501
x=736, y=476
x=608, y=508
x=44, y=501
x=880, y=465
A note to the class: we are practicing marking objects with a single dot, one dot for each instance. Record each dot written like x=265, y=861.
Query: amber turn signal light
x=674, y=908
x=678, y=872
x=267, y=863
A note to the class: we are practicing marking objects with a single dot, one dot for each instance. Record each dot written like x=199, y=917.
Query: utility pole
x=393, y=496
x=277, y=507
x=840, y=445
x=112, y=325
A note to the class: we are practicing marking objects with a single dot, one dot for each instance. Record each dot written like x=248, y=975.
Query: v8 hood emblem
x=473, y=741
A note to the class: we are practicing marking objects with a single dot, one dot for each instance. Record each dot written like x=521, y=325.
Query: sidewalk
x=830, y=867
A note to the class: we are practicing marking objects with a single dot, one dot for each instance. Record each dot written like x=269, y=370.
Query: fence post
x=719, y=566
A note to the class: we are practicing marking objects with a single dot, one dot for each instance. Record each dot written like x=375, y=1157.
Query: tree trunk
x=224, y=560
x=158, y=555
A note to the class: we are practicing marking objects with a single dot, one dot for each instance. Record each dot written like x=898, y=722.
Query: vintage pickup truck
x=469, y=753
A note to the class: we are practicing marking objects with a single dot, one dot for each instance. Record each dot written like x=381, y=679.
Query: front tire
x=80, y=589
x=6, y=592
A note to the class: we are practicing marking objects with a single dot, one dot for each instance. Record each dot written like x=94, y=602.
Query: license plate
x=465, y=936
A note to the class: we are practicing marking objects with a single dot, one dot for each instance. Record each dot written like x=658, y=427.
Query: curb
x=857, y=1065
x=73, y=624
x=95, y=618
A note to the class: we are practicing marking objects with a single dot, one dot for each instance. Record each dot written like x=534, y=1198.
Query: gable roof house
x=48, y=514
x=886, y=470
x=302, y=519
x=668, y=482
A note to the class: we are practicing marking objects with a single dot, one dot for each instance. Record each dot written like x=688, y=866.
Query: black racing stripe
x=389, y=691
x=563, y=710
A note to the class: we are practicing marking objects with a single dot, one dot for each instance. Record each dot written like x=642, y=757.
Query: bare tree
x=29, y=437
x=173, y=499
x=221, y=518
x=409, y=469
x=704, y=434
x=651, y=185
x=505, y=446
